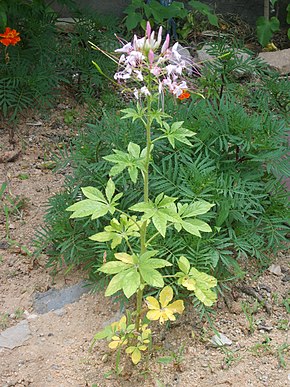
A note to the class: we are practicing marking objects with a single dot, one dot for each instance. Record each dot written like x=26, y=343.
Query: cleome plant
x=149, y=73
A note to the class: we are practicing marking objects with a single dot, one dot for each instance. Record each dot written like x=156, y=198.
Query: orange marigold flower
x=185, y=94
x=9, y=37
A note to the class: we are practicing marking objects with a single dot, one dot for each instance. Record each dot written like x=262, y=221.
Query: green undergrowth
x=33, y=72
x=237, y=162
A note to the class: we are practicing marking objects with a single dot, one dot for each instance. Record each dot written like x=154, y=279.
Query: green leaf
x=223, y=212
x=206, y=296
x=165, y=360
x=103, y=334
x=206, y=280
x=113, y=267
x=160, y=221
x=134, y=150
x=151, y=277
x=183, y=264
x=124, y=257
x=110, y=190
x=115, y=284
x=132, y=20
x=194, y=209
x=142, y=207
x=133, y=173
x=87, y=207
x=131, y=282
x=103, y=236
x=157, y=263
x=194, y=226
x=100, y=210
x=266, y=29
x=178, y=132
x=94, y=194
x=213, y=19
x=288, y=15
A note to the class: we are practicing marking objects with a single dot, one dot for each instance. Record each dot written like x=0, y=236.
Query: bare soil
x=57, y=353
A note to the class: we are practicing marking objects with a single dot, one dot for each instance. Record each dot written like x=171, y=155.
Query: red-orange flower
x=185, y=94
x=9, y=37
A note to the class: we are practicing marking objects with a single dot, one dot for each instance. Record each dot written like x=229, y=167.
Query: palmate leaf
x=96, y=205
x=198, y=282
x=164, y=311
x=118, y=230
x=133, y=160
x=161, y=211
x=176, y=132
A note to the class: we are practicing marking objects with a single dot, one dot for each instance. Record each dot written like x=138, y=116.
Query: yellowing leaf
x=206, y=296
x=165, y=296
x=136, y=356
x=188, y=283
x=166, y=311
x=176, y=307
x=152, y=303
x=153, y=315
x=124, y=257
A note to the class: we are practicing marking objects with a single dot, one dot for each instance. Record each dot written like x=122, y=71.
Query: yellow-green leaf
x=152, y=303
x=183, y=264
x=136, y=356
x=165, y=296
x=124, y=257
x=176, y=306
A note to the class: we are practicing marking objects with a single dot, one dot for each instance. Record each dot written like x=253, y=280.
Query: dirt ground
x=57, y=352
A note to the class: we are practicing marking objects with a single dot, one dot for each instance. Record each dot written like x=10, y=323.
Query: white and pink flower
x=155, y=70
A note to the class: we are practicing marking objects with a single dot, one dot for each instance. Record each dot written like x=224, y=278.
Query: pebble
x=220, y=340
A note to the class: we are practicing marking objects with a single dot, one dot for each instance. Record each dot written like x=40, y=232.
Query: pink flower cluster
x=156, y=70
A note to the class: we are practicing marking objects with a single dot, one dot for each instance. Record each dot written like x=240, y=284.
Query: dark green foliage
x=47, y=58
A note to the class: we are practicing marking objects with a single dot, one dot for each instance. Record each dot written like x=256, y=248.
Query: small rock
x=286, y=278
x=15, y=336
x=279, y=60
x=264, y=328
x=55, y=299
x=275, y=269
x=4, y=245
x=220, y=340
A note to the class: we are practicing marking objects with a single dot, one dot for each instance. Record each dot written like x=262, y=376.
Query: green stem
x=143, y=230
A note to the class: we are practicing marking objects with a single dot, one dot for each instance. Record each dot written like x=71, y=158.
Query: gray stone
x=220, y=340
x=15, y=336
x=55, y=299
x=66, y=24
x=279, y=60
x=275, y=269
x=203, y=55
